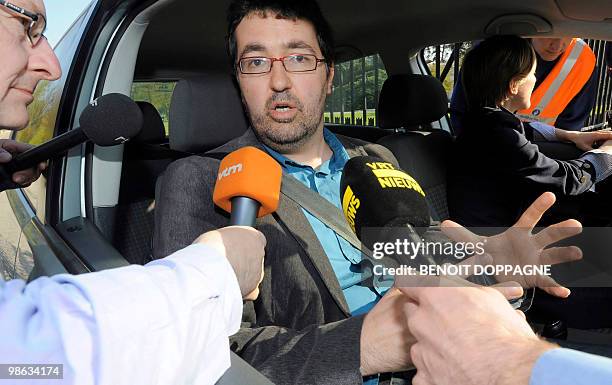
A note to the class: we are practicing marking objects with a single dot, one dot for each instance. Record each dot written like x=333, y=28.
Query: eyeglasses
x=36, y=23
x=292, y=63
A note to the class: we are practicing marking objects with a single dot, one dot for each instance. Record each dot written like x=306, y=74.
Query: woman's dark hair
x=287, y=9
x=490, y=66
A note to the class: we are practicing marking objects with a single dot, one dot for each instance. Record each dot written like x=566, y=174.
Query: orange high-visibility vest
x=562, y=84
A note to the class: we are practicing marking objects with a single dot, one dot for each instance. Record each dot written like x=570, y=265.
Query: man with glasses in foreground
x=317, y=320
x=164, y=323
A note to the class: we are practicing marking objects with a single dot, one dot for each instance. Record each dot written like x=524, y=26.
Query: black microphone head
x=111, y=119
x=375, y=193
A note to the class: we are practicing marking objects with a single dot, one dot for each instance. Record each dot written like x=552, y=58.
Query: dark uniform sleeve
x=515, y=155
x=457, y=107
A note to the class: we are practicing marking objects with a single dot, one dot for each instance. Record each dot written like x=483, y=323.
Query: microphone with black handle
x=383, y=203
x=248, y=185
x=107, y=121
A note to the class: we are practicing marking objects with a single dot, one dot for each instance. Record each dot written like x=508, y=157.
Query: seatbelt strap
x=333, y=218
x=321, y=209
x=240, y=372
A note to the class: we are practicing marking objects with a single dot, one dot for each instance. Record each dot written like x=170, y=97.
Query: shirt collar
x=334, y=164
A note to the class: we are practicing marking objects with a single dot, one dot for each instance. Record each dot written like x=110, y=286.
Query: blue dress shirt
x=571, y=367
x=343, y=257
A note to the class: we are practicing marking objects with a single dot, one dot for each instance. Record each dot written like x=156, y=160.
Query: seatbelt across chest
x=321, y=208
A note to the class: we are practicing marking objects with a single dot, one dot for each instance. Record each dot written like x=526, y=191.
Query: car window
x=159, y=94
x=354, y=99
x=603, y=100
x=18, y=233
x=44, y=109
x=444, y=62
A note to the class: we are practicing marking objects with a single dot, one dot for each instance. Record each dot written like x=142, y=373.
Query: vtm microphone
x=248, y=185
x=383, y=199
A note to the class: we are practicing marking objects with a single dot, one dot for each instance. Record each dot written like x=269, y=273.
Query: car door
x=10, y=231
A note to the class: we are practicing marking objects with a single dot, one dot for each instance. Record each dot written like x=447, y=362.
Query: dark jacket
x=496, y=172
x=573, y=117
x=299, y=331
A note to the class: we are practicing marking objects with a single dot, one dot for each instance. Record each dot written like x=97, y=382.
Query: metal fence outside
x=444, y=63
x=354, y=97
x=603, y=100
x=357, y=84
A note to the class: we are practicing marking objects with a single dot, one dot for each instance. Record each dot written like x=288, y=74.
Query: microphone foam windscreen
x=111, y=119
x=248, y=172
x=375, y=193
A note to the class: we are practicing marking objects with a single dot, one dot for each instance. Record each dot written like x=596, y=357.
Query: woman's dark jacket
x=496, y=172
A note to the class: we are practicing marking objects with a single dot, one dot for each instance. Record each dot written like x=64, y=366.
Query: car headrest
x=153, y=130
x=205, y=112
x=409, y=100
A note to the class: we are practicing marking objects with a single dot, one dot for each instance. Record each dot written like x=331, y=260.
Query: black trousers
x=585, y=308
x=588, y=307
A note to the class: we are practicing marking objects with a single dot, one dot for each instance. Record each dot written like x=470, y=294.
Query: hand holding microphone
x=244, y=248
x=23, y=178
x=110, y=120
x=248, y=187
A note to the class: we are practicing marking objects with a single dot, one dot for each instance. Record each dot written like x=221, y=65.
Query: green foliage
x=445, y=52
x=43, y=113
x=159, y=94
x=349, y=75
x=449, y=81
x=370, y=117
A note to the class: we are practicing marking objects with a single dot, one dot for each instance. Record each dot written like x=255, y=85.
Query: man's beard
x=287, y=136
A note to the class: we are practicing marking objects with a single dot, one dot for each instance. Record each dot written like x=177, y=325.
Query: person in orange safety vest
x=574, y=65
x=565, y=89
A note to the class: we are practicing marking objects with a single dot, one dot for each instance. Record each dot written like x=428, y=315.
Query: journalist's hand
x=24, y=178
x=244, y=248
x=469, y=336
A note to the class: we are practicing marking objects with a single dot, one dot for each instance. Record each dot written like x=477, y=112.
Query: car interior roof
x=188, y=37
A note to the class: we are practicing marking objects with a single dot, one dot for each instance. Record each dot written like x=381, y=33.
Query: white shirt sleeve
x=164, y=323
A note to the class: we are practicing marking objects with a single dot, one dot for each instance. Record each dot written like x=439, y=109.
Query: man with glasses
x=35, y=23
x=164, y=323
x=26, y=59
x=316, y=321
x=302, y=331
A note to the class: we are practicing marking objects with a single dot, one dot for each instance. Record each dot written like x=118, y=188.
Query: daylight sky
x=60, y=16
